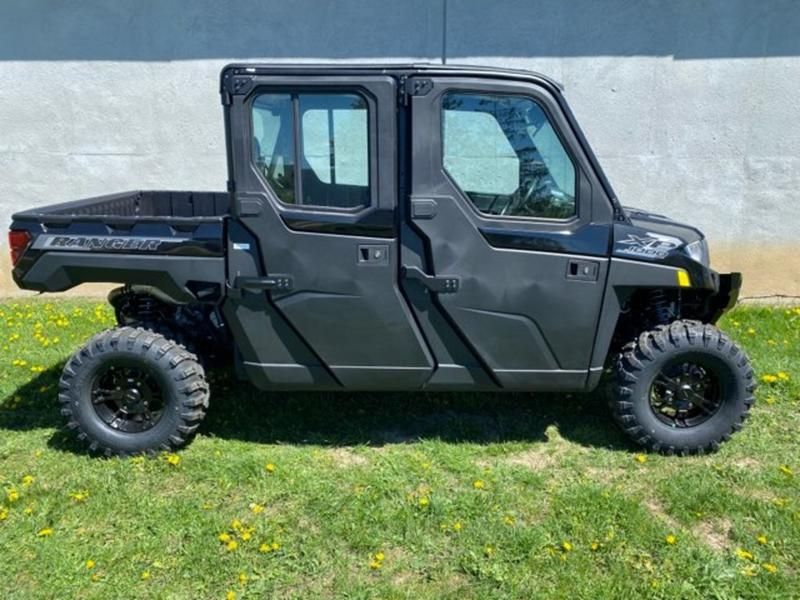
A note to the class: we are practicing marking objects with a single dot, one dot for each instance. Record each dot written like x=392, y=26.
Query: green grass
x=565, y=507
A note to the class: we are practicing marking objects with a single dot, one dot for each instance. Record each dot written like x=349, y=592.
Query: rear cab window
x=312, y=149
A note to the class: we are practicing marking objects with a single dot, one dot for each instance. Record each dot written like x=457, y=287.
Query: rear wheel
x=682, y=388
x=131, y=391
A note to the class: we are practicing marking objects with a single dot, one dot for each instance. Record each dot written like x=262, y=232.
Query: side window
x=505, y=156
x=330, y=143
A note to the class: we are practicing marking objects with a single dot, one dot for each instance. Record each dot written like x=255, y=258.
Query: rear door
x=513, y=231
x=314, y=160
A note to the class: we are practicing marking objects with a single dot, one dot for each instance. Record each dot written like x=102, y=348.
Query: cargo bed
x=137, y=205
x=171, y=240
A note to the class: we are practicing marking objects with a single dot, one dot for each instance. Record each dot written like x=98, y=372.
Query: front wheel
x=682, y=388
x=133, y=391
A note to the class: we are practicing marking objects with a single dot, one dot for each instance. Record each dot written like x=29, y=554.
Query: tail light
x=18, y=241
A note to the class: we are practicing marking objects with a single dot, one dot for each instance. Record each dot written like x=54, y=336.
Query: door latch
x=582, y=270
x=441, y=285
x=373, y=254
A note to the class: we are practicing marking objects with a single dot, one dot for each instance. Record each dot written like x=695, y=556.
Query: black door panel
x=527, y=320
x=343, y=319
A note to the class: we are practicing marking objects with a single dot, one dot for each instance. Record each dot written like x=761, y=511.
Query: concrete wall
x=691, y=105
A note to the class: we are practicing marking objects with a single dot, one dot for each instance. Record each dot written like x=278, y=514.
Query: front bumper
x=726, y=296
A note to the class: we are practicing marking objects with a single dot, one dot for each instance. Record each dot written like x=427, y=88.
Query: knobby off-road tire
x=133, y=391
x=716, y=365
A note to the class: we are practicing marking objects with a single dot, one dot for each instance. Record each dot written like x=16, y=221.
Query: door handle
x=441, y=285
x=274, y=282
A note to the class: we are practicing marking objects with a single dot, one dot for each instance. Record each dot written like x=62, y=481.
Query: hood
x=662, y=225
x=652, y=237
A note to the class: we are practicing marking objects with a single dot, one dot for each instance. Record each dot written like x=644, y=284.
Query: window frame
x=294, y=92
x=576, y=165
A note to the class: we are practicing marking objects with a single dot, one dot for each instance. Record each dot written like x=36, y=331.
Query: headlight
x=698, y=251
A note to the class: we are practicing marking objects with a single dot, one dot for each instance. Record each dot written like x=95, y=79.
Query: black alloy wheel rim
x=128, y=398
x=685, y=393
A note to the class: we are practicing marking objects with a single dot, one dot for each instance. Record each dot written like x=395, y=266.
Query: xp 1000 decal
x=650, y=245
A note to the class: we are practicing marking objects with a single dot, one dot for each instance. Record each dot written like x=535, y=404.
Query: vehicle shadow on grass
x=239, y=411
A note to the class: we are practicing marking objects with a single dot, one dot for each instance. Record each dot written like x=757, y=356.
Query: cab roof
x=398, y=69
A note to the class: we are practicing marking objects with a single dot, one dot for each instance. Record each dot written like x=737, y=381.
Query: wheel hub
x=127, y=397
x=685, y=394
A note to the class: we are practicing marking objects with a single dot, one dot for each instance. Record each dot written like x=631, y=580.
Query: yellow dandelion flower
x=749, y=571
x=744, y=554
x=27, y=480
x=246, y=535
x=762, y=539
x=671, y=540
x=769, y=378
x=424, y=501
x=783, y=376
x=12, y=494
x=488, y=550
x=594, y=546
x=379, y=555
x=457, y=526
x=224, y=538
x=90, y=564
x=275, y=546
x=46, y=532
x=270, y=468
x=3, y=513
x=230, y=595
x=478, y=484
x=264, y=548
x=375, y=564
x=751, y=331
x=508, y=519
x=770, y=568
x=256, y=508
x=566, y=546
x=28, y=510
x=236, y=525
x=231, y=545
x=37, y=369
x=145, y=575
x=80, y=496
x=786, y=470
x=640, y=458
x=243, y=578
x=770, y=400
x=173, y=459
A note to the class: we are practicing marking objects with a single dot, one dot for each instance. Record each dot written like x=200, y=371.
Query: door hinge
x=442, y=285
x=412, y=86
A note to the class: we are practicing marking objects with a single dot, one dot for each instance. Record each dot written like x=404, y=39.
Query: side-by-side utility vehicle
x=403, y=227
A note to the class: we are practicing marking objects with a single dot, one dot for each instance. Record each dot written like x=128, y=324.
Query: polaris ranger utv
x=391, y=228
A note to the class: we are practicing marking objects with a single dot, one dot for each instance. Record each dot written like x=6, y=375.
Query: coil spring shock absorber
x=132, y=308
x=660, y=307
x=144, y=308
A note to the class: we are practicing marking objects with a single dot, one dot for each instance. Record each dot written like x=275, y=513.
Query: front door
x=314, y=244
x=507, y=235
